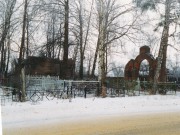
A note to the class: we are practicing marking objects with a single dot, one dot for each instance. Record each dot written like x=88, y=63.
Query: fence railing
x=39, y=88
x=43, y=82
x=132, y=88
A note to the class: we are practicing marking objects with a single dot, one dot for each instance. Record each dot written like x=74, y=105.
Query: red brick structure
x=133, y=66
x=47, y=66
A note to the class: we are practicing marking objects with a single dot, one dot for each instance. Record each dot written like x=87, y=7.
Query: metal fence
x=7, y=94
x=39, y=88
x=136, y=88
x=43, y=82
x=68, y=89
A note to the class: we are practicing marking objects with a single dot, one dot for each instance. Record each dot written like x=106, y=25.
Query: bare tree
x=83, y=19
x=5, y=29
x=109, y=31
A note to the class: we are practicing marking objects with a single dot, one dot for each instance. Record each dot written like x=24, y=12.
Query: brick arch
x=152, y=65
x=129, y=70
x=134, y=65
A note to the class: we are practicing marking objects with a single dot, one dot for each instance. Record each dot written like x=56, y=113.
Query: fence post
x=98, y=89
x=124, y=90
x=175, y=87
x=85, y=90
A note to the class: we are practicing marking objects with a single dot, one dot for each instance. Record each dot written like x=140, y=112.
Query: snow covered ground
x=59, y=110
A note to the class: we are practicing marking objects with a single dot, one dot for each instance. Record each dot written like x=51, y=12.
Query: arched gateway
x=132, y=68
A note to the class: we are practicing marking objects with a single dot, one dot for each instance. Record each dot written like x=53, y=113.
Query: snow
x=64, y=110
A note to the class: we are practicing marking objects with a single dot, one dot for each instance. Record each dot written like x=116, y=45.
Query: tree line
x=84, y=30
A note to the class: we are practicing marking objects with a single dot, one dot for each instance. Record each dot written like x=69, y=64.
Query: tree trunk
x=23, y=86
x=161, y=61
x=81, y=44
x=66, y=39
x=22, y=52
x=3, y=50
x=22, y=47
x=2, y=59
x=48, y=48
x=27, y=34
x=101, y=66
x=82, y=48
x=95, y=59
x=8, y=55
x=163, y=75
x=81, y=62
x=89, y=66
x=53, y=38
x=59, y=41
x=101, y=63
